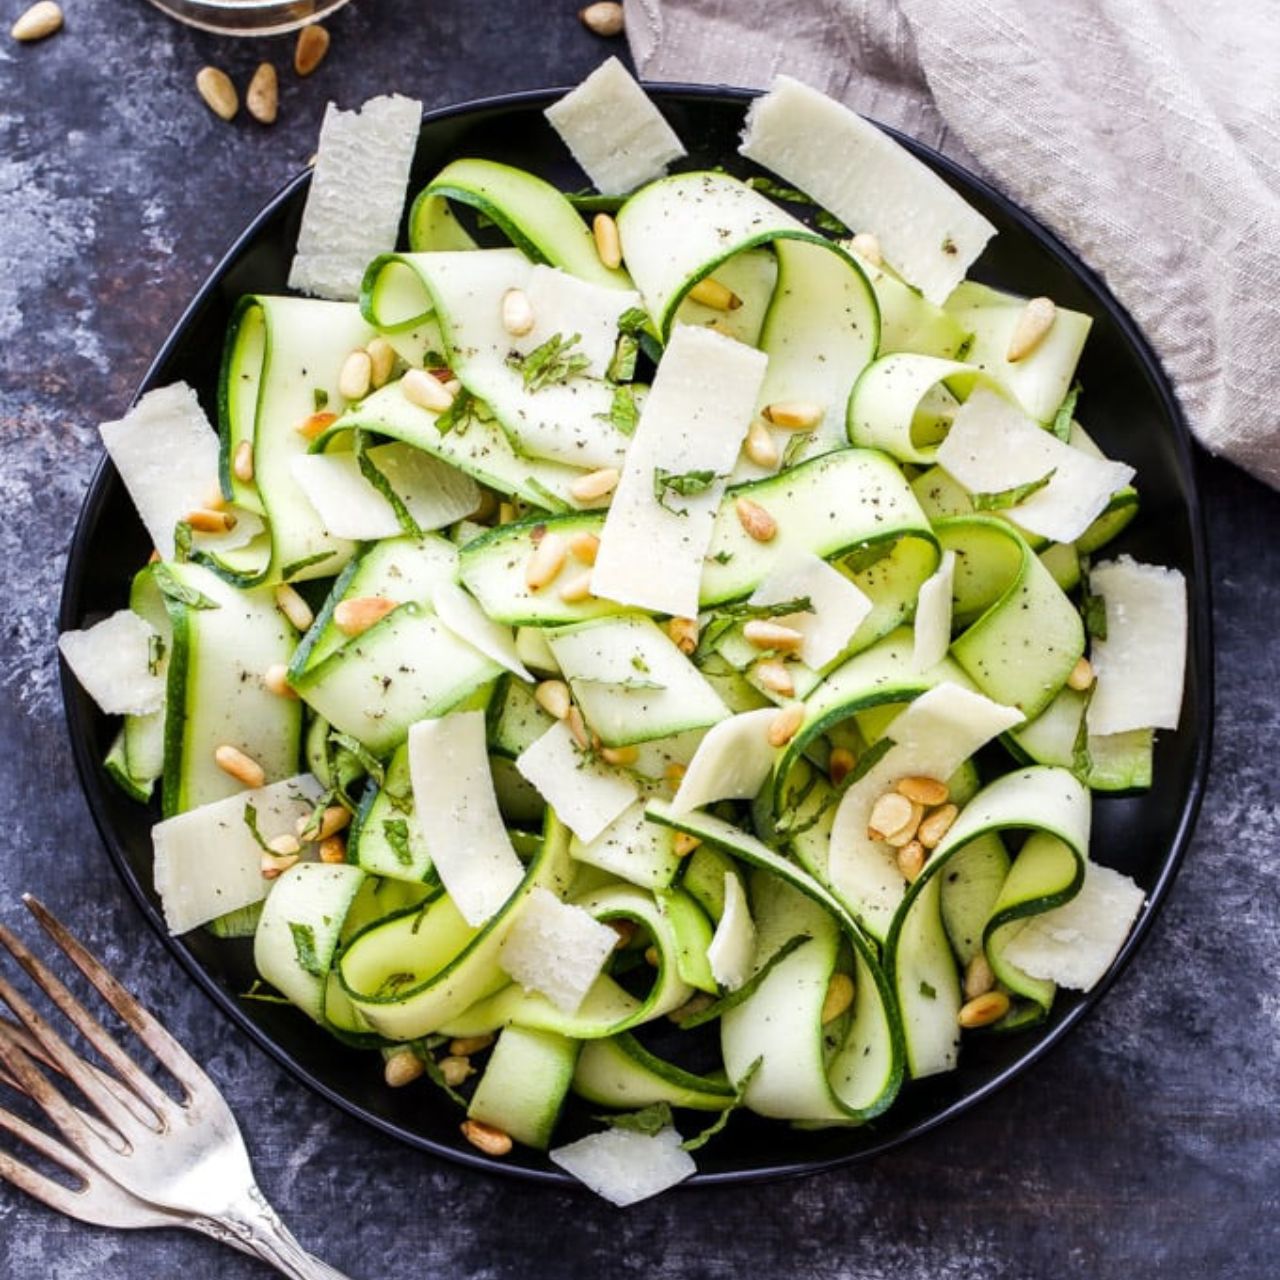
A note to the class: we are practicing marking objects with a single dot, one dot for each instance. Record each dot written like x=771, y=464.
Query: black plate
x=1129, y=407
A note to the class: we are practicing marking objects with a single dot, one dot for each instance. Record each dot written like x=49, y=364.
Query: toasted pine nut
x=294, y=607
x=674, y=774
x=578, y=728
x=908, y=833
x=425, y=390
x=1081, y=676
x=584, y=547
x=315, y=424
x=866, y=244
x=333, y=849
x=577, y=588
x=765, y=634
x=608, y=245
x=203, y=520
x=546, y=561
x=760, y=448
x=758, y=523
x=484, y=1137
x=242, y=464
x=219, y=94
x=694, y=1005
x=925, y=791
x=262, y=98
x=604, y=18
x=652, y=957
x=684, y=844
x=775, y=677
x=840, y=765
x=455, y=1070
x=711, y=293
x=794, y=415
x=838, y=998
x=620, y=755
x=273, y=865
x=40, y=20
x=243, y=768
x=936, y=825
x=382, y=360
x=308, y=53
x=911, y=860
x=889, y=815
x=335, y=818
x=465, y=1046
x=276, y=680
x=786, y=724
x=356, y=376
x=402, y=1067
x=978, y=977
x=553, y=697
x=983, y=1010
x=355, y=617
x=1035, y=321
x=595, y=484
x=215, y=501
x=684, y=634
x=285, y=845
x=517, y=313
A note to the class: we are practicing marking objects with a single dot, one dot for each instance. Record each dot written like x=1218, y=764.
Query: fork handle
x=256, y=1227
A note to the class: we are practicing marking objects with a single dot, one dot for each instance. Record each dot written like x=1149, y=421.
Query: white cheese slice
x=616, y=134
x=838, y=606
x=1074, y=944
x=932, y=738
x=693, y=421
x=586, y=794
x=207, y=861
x=457, y=810
x=556, y=949
x=465, y=618
x=731, y=762
x=932, y=635
x=733, y=946
x=1141, y=664
x=994, y=446
x=562, y=303
x=624, y=1166
x=928, y=232
x=112, y=660
x=362, y=163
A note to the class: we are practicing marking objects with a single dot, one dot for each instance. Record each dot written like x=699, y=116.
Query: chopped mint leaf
x=165, y=579
x=295, y=567
x=361, y=754
x=1006, y=498
x=622, y=368
x=928, y=990
x=1094, y=611
x=155, y=653
x=304, y=945
x=260, y=991
x=639, y=664
x=396, y=831
x=701, y=1139
x=464, y=410
x=320, y=399
x=182, y=538
x=795, y=447
x=433, y=1073
x=722, y=557
x=745, y=609
x=551, y=363
x=623, y=413
x=684, y=483
x=633, y=320
x=251, y=821
x=648, y=1120
x=1066, y=411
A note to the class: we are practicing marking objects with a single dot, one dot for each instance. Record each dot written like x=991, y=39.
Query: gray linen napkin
x=1145, y=132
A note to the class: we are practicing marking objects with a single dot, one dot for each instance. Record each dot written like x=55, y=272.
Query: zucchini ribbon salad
x=679, y=615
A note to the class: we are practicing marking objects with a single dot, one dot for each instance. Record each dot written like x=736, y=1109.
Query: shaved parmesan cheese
x=556, y=949
x=363, y=162
x=586, y=794
x=993, y=447
x=207, y=861
x=1141, y=664
x=1074, y=944
x=926, y=231
x=457, y=810
x=563, y=303
x=733, y=946
x=838, y=607
x=625, y=1166
x=113, y=660
x=932, y=637
x=731, y=763
x=693, y=424
x=616, y=134
x=460, y=613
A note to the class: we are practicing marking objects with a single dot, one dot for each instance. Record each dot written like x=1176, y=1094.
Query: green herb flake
x=465, y=410
x=794, y=448
x=304, y=946
x=648, y=1120
x=251, y=821
x=701, y=1139
x=779, y=609
x=928, y=990
x=639, y=664
x=1066, y=411
x=722, y=557
x=1006, y=498
x=261, y=992
x=295, y=567
x=433, y=1073
x=396, y=831
x=155, y=653
x=623, y=413
x=168, y=584
x=320, y=399
x=551, y=363
x=1094, y=611
x=361, y=754
x=183, y=537
x=686, y=484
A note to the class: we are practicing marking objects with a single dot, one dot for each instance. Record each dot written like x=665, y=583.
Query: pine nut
x=355, y=617
x=276, y=680
x=272, y=866
x=1081, y=677
x=315, y=424
x=546, y=561
x=908, y=833
x=553, y=697
x=651, y=957
x=284, y=846
x=760, y=448
x=243, y=768
x=484, y=1137
x=794, y=415
x=1033, y=324
x=983, y=1010
x=308, y=53
x=219, y=94
x=838, y=998
x=507, y=513
x=978, y=977
x=605, y=18
x=925, y=791
x=620, y=755
x=382, y=360
x=404, y=1066
x=772, y=635
x=36, y=23
x=242, y=465
x=517, y=313
x=455, y=1070
x=356, y=376
x=335, y=818
x=425, y=390
x=203, y=520
x=786, y=724
x=577, y=589
x=684, y=634
x=936, y=825
x=465, y=1046
x=604, y=230
x=333, y=850
x=758, y=523
x=711, y=293
x=911, y=860
x=840, y=765
x=294, y=607
x=866, y=244
x=262, y=98
x=595, y=484
x=775, y=677
x=578, y=728
x=584, y=547
x=684, y=844
x=889, y=815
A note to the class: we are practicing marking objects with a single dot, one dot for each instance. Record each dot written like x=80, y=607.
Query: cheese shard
x=690, y=430
x=624, y=1166
x=207, y=860
x=927, y=232
x=838, y=606
x=1141, y=665
x=1074, y=944
x=932, y=634
x=614, y=131
x=733, y=946
x=362, y=163
x=731, y=762
x=557, y=949
x=113, y=661
x=465, y=618
x=454, y=801
x=586, y=794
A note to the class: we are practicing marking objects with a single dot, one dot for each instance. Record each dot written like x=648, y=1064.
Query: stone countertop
x=1148, y=1144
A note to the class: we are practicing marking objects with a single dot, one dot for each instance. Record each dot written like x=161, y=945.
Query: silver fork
x=182, y=1159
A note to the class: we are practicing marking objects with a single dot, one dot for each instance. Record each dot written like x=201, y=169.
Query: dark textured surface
x=1149, y=1144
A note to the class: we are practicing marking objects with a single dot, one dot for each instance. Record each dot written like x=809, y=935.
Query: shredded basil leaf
x=396, y=831
x=464, y=410
x=155, y=653
x=251, y=821
x=1066, y=411
x=260, y=991
x=795, y=446
x=366, y=759
x=648, y=1120
x=304, y=946
x=320, y=398
x=168, y=584
x=684, y=483
x=928, y=990
x=701, y=1139
x=296, y=566
x=623, y=413
x=780, y=609
x=182, y=539
x=551, y=363
x=1005, y=498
